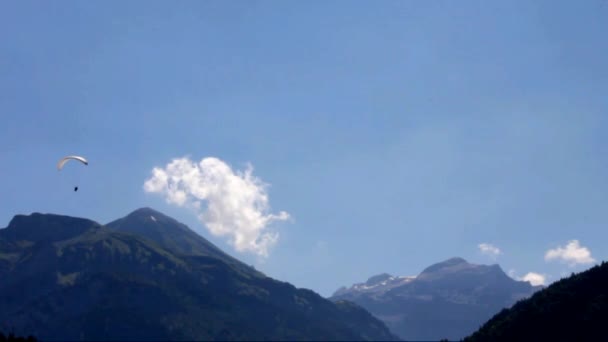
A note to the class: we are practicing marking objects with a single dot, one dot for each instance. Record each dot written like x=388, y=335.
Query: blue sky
x=396, y=134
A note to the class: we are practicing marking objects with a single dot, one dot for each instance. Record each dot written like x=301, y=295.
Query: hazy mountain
x=66, y=278
x=571, y=309
x=450, y=299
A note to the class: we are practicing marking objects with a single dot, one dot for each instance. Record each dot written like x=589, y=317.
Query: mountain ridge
x=93, y=282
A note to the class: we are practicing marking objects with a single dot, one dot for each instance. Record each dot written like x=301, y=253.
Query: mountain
x=66, y=278
x=450, y=299
x=166, y=231
x=571, y=309
x=172, y=235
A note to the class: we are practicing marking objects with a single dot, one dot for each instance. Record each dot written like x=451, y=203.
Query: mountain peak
x=452, y=263
x=146, y=211
x=458, y=267
x=151, y=219
x=168, y=232
x=46, y=227
x=456, y=260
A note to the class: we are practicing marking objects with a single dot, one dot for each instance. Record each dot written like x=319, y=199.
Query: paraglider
x=68, y=158
x=64, y=160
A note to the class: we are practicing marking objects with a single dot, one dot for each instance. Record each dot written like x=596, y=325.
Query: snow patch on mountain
x=379, y=283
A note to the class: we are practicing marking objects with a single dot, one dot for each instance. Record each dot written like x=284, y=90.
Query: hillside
x=571, y=309
x=73, y=279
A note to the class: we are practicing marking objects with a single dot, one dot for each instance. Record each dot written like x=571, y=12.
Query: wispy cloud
x=236, y=202
x=489, y=249
x=534, y=278
x=573, y=254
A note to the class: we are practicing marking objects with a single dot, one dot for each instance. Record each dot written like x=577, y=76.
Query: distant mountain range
x=571, y=309
x=450, y=299
x=148, y=277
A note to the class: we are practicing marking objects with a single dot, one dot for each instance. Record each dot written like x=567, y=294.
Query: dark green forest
x=12, y=338
x=571, y=309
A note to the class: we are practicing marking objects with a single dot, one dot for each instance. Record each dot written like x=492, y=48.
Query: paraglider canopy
x=68, y=158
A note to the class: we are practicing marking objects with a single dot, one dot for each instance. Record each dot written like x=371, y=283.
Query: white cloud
x=489, y=249
x=572, y=254
x=531, y=277
x=534, y=278
x=237, y=202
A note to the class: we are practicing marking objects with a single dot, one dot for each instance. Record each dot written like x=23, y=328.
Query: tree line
x=12, y=338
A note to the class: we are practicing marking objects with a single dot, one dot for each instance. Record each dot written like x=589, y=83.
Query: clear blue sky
x=396, y=134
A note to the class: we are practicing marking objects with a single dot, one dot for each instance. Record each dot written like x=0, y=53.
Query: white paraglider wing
x=68, y=158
